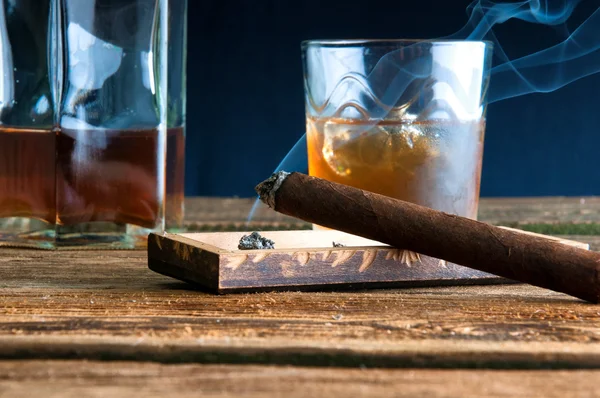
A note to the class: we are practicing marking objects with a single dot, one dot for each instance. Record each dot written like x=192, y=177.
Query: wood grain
x=79, y=379
x=108, y=305
x=231, y=213
x=492, y=210
x=304, y=260
x=301, y=260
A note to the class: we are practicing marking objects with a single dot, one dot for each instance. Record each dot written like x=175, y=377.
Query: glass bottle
x=177, y=58
x=92, y=121
x=27, y=111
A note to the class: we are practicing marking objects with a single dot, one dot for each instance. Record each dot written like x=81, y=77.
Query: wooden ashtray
x=303, y=260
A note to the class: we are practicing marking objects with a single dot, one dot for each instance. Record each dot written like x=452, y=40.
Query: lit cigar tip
x=266, y=190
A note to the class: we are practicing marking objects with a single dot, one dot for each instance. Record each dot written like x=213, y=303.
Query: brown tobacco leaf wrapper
x=521, y=257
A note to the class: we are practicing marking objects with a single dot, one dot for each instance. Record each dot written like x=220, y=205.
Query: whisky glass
x=400, y=118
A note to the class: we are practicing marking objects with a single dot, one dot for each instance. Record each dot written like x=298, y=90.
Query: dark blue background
x=245, y=94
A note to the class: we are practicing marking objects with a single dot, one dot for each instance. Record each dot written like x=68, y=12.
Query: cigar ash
x=267, y=189
x=255, y=241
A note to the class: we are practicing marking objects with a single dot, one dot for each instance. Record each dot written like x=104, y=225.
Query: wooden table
x=95, y=323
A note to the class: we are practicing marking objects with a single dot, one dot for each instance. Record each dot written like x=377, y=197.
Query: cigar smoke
x=294, y=160
x=576, y=55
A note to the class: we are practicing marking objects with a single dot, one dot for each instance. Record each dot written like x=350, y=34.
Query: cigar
x=513, y=255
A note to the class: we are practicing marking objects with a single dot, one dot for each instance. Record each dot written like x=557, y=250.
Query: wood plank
x=109, y=305
x=540, y=210
x=563, y=240
x=125, y=379
x=593, y=241
x=492, y=210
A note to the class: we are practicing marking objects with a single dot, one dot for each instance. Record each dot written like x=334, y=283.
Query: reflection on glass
x=111, y=143
x=27, y=142
x=177, y=57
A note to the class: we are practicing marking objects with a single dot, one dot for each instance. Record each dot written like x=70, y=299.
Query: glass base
x=35, y=234
x=102, y=236
x=26, y=232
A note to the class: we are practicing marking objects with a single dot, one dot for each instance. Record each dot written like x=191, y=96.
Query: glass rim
x=391, y=42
